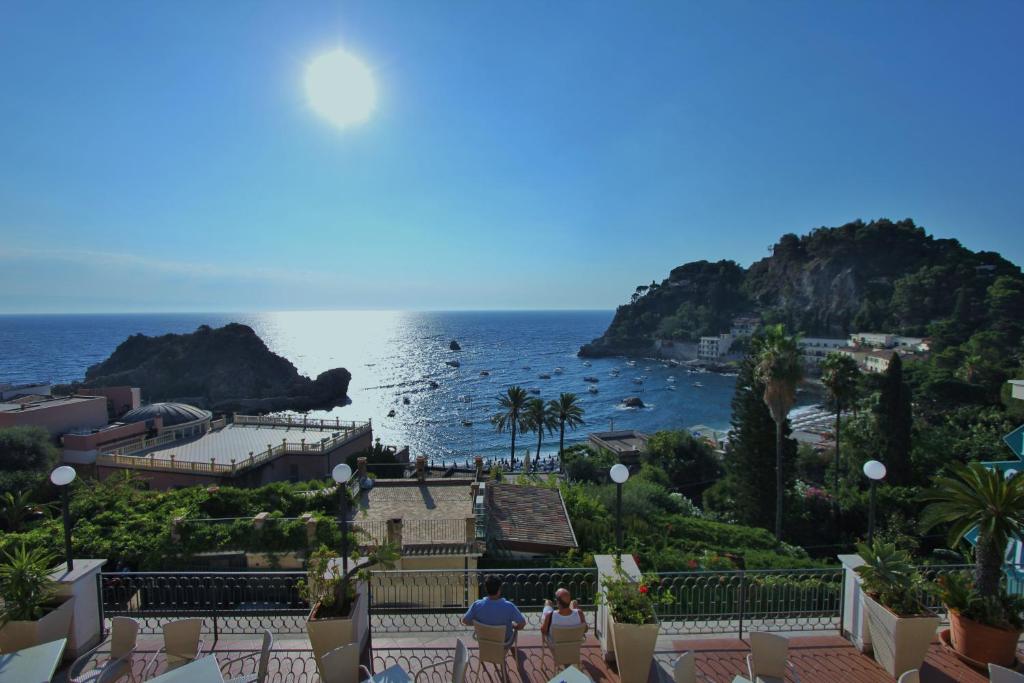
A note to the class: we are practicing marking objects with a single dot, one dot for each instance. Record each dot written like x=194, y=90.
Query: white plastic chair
x=337, y=665
x=262, y=669
x=124, y=634
x=911, y=676
x=768, y=660
x=459, y=664
x=183, y=644
x=493, y=648
x=1000, y=674
x=684, y=669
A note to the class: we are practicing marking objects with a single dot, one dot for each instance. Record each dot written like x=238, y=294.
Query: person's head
x=563, y=597
x=492, y=584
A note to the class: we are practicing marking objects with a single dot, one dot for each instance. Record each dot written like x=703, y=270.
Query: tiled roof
x=527, y=517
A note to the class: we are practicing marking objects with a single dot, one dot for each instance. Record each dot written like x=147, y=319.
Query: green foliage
x=1002, y=611
x=634, y=602
x=688, y=464
x=889, y=576
x=27, y=454
x=567, y=412
x=25, y=583
x=582, y=463
x=511, y=416
x=894, y=417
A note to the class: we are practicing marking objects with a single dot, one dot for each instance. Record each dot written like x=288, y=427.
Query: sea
x=394, y=357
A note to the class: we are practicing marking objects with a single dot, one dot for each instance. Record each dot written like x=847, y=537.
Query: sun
x=340, y=88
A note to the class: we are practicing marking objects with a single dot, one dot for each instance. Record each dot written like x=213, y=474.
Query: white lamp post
x=875, y=472
x=619, y=474
x=62, y=478
x=341, y=474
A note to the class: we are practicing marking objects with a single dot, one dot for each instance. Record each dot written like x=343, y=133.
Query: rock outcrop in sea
x=222, y=369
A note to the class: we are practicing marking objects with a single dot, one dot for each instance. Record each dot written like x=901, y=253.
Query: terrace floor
x=818, y=659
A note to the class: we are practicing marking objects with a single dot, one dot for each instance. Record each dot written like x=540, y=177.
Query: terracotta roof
x=528, y=518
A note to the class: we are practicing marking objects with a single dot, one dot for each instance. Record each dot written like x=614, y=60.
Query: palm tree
x=839, y=374
x=511, y=417
x=567, y=412
x=974, y=496
x=779, y=369
x=15, y=508
x=538, y=418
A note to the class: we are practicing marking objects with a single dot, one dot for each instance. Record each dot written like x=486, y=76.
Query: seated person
x=563, y=612
x=495, y=610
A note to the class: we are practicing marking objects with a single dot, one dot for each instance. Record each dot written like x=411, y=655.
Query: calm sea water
x=393, y=355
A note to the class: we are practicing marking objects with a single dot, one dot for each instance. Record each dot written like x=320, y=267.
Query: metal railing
x=763, y=600
x=297, y=422
x=227, y=602
x=435, y=600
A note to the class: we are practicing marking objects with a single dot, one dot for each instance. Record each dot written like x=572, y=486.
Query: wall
x=119, y=399
x=60, y=417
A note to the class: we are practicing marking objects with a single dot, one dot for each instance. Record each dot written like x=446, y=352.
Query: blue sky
x=162, y=156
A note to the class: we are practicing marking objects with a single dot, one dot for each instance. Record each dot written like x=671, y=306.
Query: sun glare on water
x=340, y=88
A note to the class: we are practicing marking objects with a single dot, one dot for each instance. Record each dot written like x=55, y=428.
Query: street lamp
x=875, y=471
x=62, y=478
x=341, y=474
x=619, y=474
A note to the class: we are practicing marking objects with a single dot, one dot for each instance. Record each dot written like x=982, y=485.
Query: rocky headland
x=222, y=369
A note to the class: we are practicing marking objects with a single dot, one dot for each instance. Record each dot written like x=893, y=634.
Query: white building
x=881, y=340
x=744, y=326
x=713, y=348
x=814, y=349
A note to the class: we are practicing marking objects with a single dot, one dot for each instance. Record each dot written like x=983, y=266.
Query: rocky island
x=222, y=369
x=880, y=275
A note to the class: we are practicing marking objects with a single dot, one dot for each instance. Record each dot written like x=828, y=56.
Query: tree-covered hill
x=877, y=276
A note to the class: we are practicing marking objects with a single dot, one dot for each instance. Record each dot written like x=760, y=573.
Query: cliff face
x=223, y=369
x=830, y=282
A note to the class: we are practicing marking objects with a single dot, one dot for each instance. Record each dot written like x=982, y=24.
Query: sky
x=164, y=156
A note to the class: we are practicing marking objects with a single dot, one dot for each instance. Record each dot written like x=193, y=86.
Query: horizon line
x=312, y=310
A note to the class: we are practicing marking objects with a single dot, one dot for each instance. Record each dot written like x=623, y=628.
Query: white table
x=740, y=679
x=392, y=674
x=203, y=670
x=35, y=664
x=571, y=675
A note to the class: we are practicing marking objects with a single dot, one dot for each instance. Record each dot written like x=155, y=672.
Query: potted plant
x=338, y=610
x=900, y=625
x=632, y=622
x=985, y=622
x=30, y=612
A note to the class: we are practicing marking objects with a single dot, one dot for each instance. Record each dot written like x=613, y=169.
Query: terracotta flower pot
x=982, y=643
x=899, y=643
x=634, y=649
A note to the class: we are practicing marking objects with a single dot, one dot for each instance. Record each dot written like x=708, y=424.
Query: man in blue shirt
x=495, y=610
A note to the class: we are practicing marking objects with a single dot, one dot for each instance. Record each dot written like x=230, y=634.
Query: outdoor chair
x=124, y=633
x=768, y=660
x=337, y=665
x=493, y=648
x=183, y=644
x=261, y=674
x=911, y=676
x=459, y=664
x=1000, y=674
x=684, y=669
x=565, y=643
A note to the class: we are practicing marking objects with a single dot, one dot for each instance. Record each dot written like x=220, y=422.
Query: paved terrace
x=238, y=442
x=818, y=659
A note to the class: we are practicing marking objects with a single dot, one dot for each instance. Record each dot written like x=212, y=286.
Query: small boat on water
x=526, y=367
x=453, y=363
x=586, y=363
x=466, y=398
x=698, y=385
x=638, y=380
x=405, y=400
x=591, y=378
x=614, y=372
x=671, y=387
x=433, y=384
x=631, y=363
x=592, y=389
x=484, y=373
x=391, y=413
x=558, y=371
x=543, y=375
x=671, y=379
x=534, y=390
x=467, y=423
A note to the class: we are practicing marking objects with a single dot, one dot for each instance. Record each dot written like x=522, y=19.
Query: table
x=392, y=674
x=35, y=664
x=203, y=670
x=740, y=679
x=571, y=675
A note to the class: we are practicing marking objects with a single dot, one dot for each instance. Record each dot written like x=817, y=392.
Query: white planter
x=634, y=646
x=900, y=643
x=17, y=635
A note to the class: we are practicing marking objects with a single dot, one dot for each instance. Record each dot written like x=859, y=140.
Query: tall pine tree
x=894, y=420
x=750, y=462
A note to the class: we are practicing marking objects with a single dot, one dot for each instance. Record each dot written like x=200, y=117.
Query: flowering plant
x=634, y=602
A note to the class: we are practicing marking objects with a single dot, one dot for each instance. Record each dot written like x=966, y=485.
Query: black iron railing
x=435, y=600
x=763, y=600
x=227, y=602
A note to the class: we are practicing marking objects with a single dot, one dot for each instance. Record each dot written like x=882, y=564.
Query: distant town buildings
x=744, y=326
x=874, y=350
x=815, y=349
x=626, y=444
x=714, y=348
x=56, y=414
